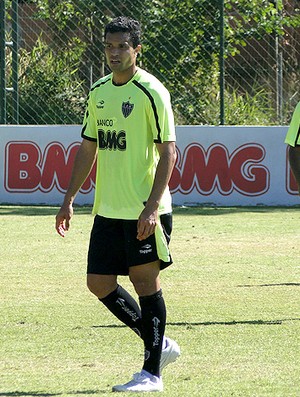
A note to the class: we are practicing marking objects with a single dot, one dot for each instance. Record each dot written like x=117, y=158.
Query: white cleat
x=141, y=382
x=169, y=354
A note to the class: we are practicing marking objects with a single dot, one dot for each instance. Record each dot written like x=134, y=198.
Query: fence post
x=15, y=62
x=279, y=68
x=222, y=65
x=2, y=64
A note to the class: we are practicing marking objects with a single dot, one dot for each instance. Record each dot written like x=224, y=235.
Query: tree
x=181, y=44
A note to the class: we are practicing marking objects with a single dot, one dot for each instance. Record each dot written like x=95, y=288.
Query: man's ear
x=138, y=49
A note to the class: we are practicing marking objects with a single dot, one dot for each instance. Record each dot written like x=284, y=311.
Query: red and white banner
x=224, y=166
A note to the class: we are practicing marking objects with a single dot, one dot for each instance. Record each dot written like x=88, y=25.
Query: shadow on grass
x=29, y=393
x=39, y=211
x=207, y=323
x=270, y=285
x=245, y=322
x=46, y=210
x=40, y=394
x=215, y=210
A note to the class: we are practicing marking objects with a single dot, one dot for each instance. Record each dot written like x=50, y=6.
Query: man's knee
x=101, y=285
x=145, y=278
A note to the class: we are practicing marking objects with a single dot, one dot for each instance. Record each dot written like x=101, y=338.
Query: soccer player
x=293, y=140
x=129, y=127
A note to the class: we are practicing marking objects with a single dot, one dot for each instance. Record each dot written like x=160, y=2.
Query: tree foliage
x=50, y=92
x=181, y=47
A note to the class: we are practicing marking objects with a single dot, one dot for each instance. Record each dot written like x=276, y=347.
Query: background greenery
x=181, y=47
x=232, y=295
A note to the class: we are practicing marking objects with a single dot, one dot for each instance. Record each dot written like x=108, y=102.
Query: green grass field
x=233, y=298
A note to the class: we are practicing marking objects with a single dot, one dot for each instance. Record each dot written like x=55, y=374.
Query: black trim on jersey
x=84, y=127
x=140, y=86
x=99, y=84
x=87, y=113
x=297, y=137
x=88, y=138
x=85, y=136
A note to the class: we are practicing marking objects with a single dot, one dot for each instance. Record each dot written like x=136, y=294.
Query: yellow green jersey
x=293, y=135
x=127, y=121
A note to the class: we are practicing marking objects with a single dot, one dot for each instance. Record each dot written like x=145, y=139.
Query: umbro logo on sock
x=131, y=313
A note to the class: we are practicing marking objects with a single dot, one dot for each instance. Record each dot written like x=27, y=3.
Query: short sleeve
x=293, y=135
x=89, y=125
x=161, y=117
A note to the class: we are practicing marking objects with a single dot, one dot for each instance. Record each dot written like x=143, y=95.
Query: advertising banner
x=216, y=165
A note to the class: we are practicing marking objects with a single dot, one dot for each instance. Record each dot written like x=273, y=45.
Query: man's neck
x=124, y=77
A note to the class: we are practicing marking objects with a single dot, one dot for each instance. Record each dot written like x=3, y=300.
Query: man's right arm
x=83, y=163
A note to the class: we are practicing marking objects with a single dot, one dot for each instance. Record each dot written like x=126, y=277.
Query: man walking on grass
x=129, y=127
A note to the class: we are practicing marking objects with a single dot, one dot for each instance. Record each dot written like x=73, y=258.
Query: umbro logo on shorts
x=146, y=249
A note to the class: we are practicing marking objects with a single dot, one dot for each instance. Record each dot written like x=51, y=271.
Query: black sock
x=125, y=308
x=153, y=327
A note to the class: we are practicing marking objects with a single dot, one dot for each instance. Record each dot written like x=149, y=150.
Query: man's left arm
x=149, y=216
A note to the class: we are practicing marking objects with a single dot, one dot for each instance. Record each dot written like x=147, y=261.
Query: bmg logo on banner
x=28, y=168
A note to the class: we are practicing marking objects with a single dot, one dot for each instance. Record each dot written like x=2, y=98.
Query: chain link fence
x=224, y=62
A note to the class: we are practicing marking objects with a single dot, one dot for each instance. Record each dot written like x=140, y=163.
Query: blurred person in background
x=293, y=140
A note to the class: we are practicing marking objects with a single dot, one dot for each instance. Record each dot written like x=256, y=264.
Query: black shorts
x=114, y=247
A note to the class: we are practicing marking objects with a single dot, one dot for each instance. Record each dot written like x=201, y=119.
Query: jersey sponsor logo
x=105, y=123
x=112, y=140
x=127, y=108
x=100, y=104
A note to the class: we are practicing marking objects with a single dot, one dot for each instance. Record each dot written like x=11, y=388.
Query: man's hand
x=149, y=216
x=146, y=223
x=63, y=219
x=82, y=166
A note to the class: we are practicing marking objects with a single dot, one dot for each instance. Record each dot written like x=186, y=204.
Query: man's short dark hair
x=125, y=24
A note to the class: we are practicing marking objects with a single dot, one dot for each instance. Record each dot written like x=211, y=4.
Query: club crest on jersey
x=127, y=108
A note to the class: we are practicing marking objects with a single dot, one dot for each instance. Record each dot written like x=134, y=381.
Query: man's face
x=119, y=51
